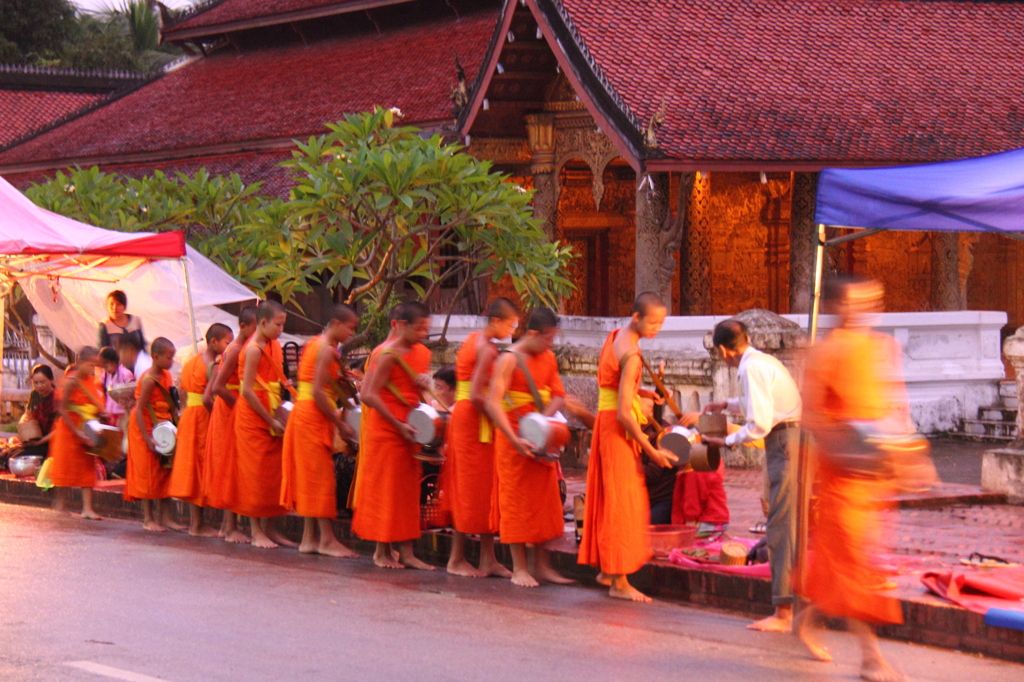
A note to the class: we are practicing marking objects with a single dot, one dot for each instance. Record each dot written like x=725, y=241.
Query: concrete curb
x=927, y=620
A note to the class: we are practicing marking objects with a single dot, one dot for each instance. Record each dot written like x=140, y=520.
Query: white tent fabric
x=67, y=268
x=73, y=308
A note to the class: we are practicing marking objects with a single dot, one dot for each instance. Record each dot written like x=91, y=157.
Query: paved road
x=129, y=605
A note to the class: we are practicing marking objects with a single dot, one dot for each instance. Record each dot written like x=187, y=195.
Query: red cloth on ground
x=979, y=591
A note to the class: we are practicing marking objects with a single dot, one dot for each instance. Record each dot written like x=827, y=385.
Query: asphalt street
x=104, y=600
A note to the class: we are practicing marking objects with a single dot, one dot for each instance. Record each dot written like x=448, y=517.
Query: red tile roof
x=853, y=80
x=229, y=11
x=274, y=93
x=25, y=111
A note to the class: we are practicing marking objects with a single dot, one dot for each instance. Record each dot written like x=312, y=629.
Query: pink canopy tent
x=67, y=268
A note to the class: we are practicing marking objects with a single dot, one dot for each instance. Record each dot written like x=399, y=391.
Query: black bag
x=344, y=473
x=758, y=554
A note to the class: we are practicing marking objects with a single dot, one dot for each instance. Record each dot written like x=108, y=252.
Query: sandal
x=759, y=528
x=979, y=559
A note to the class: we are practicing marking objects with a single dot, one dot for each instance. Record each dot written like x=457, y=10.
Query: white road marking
x=115, y=673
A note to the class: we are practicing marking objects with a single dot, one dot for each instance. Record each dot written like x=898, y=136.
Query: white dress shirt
x=768, y=396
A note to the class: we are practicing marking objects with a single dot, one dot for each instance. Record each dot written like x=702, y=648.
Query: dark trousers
x=780, y=447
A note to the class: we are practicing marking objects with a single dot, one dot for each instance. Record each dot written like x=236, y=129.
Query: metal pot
x=548, y=436
x=429, y=425
x=353, y=415
x=165, y=437
x=25, y=465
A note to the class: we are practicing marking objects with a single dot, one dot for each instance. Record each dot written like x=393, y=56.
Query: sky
x=93, y=5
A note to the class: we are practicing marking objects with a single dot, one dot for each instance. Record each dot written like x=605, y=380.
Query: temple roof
x=228, y=102
x=219, y=16
x=26, y=111
x=791, y=82
x=32, y=98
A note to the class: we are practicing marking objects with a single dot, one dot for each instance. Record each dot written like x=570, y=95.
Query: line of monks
x=235, y=453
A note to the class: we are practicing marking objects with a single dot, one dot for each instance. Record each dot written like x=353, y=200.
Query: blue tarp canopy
x=982, y=194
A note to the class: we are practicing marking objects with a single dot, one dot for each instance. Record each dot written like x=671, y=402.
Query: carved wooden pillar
x=946, y=292
x=540, y=130
x=651, y=220
x=802, y=232
x=695, y=254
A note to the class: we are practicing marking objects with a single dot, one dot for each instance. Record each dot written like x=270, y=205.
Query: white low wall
x=951, y=360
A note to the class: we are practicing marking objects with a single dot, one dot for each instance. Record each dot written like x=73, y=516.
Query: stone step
x=989, y=428
x=981, y=438
x=1008, y=388
x=997, y=413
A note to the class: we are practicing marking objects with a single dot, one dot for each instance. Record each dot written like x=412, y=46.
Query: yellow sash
x=516, y=399
x=194, y=399
x=273, y=390
x=462, y=392
x=86, y=412
x=608, y=399
x=305, y=390
x=233, y=387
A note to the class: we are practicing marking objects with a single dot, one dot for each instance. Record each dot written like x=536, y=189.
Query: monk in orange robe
x=221, y=461
x=387, y=494
x=73, y=466
x=149, y=472
x=851, y=376
x=469, y=470
x=307, y=477
x=529, y=509
x=258, y=431
x=189, y=456
x=615, y=528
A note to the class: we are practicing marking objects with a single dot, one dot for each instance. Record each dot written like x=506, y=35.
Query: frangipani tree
x=377, y=207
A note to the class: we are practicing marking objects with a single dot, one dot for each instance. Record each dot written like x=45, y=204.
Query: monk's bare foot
x=603, y=579
x=309, y=547
x=772, y=624
x=280, y=539
x=263, y=542
x=171, y=524
x=550, y=575
x=336, y=549
x=238, y=537
x=203, y=532
x=153, y=527
x=522, y=578
x=412, y=561
x=877, y=670
x=386, y=561
x=91, y=516
x=629, y=593
x=818, y=652
x=464, y=569
x=495, y=570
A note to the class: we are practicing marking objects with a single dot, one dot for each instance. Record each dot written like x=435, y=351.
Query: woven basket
x=433, y=514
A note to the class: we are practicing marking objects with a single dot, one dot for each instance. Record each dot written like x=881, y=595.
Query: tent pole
x=191, y=309
x=803, y=468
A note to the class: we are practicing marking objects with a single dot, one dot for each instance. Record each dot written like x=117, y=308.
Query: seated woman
x=119, y=325
x=42, y=408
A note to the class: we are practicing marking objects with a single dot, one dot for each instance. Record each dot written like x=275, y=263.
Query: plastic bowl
x=665, y=538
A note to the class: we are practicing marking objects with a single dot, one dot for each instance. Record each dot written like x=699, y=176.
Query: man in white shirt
x=770, y=402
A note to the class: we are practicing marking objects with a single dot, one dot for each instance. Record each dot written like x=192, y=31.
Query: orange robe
x=307, y=458
x=469, y=478
x=529, y=508
x=618, y=511
x=387, y=496
x=187, y=475
x=845, y=379
x=146, y=478
x=221, y=462
x=73, y=466
x=258, y=492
